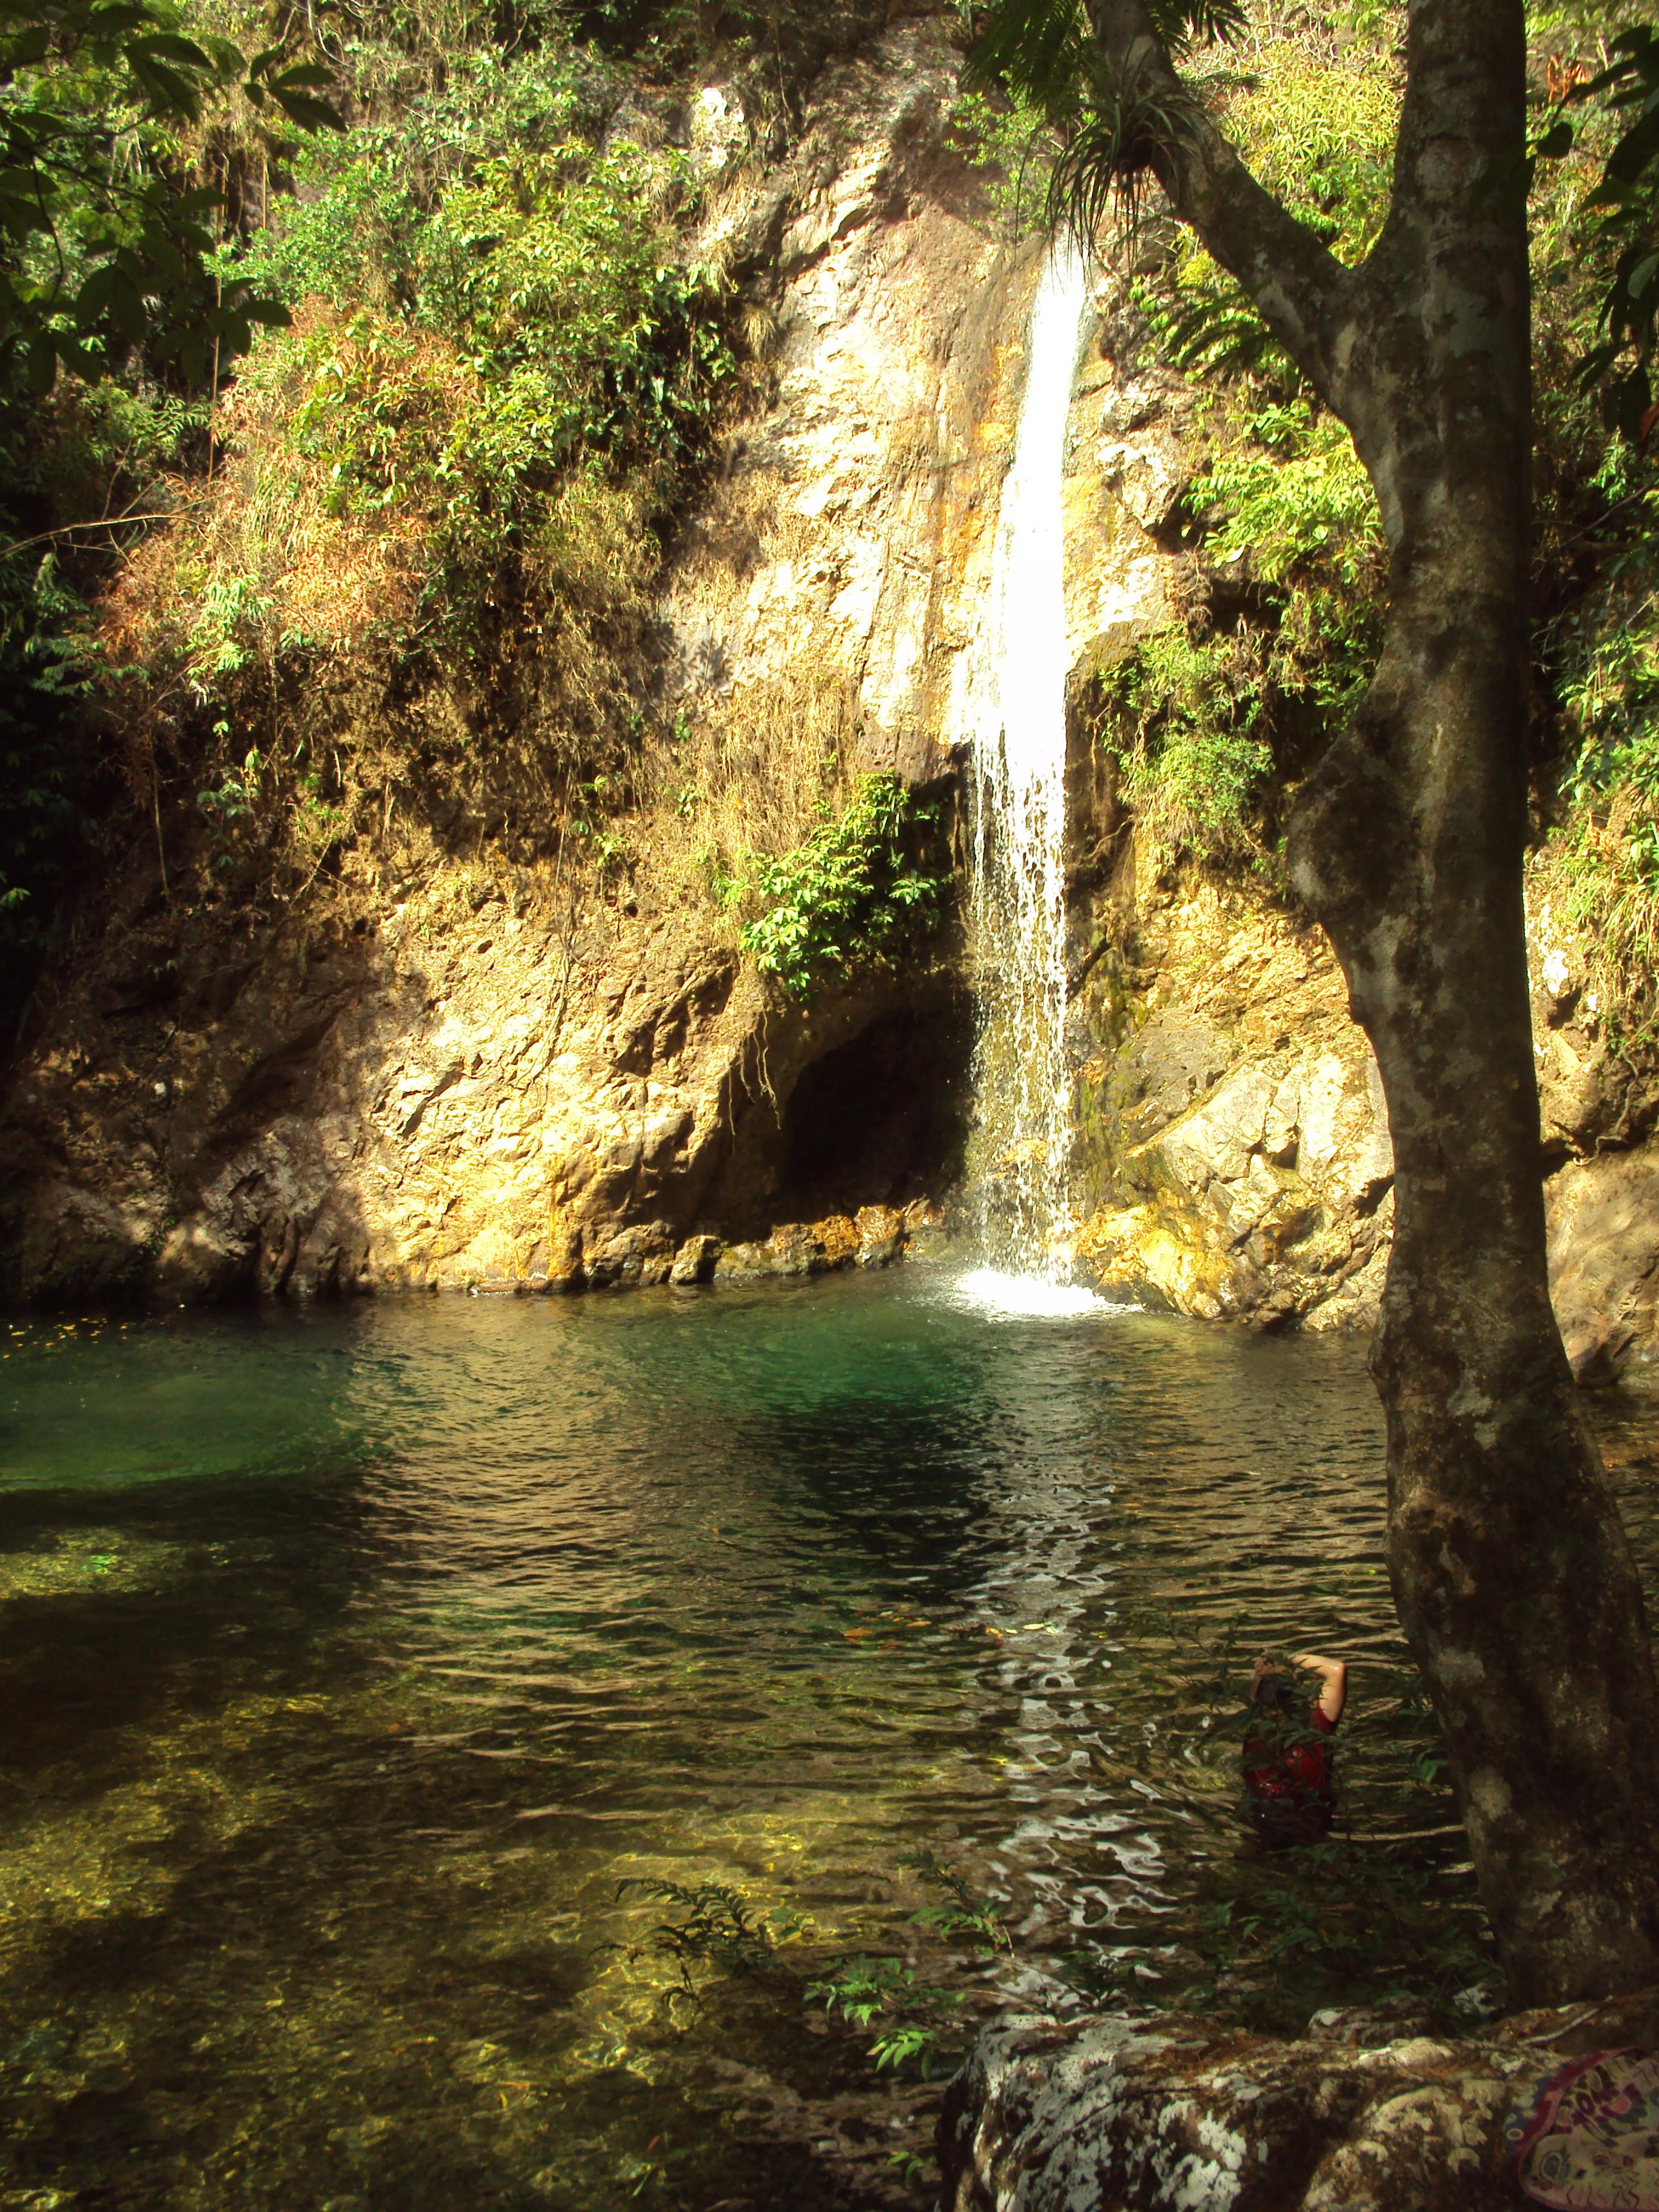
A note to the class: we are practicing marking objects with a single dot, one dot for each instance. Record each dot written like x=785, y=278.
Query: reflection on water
x=354, y=1657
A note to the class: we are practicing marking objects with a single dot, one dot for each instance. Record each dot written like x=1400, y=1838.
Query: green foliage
x=1113, y=136
x=1202, y=721
x=482, y=214
x=499, y=372
x=962, y=1911
x=1318, y=130
x=1179, y=715
x=1040, y=48
x=91, y=448
x=1604, y=858
x=1281, y=1937
x=1596, y=229
x=1010, y=141
x=498, y=428
x=716, y=1928
x=106, y=237
x=1212, y=727
x=1296, y=499
x=1118, y=142
x=904, y=2020
x=1624, y=207
x=46, y=673
x=853, y=892
x=917, y=2023
x=111, y=323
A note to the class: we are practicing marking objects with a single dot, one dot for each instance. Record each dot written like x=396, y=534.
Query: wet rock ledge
x=1362, y=2113
x=874, y=1236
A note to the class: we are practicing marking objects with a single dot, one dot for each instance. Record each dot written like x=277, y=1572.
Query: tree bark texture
x=1510, y=1569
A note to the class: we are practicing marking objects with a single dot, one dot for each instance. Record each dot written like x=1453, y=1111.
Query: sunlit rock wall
x=853, y=531
x=1233, y=1156
x=1235, y=1149
x=443, y=1074
x=451, y=1075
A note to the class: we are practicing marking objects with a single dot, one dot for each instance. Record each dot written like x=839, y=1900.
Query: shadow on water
x=352, y=1659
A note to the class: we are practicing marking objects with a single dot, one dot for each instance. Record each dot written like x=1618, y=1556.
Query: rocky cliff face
x=439, y=1070
x=1237, y=1136
x=447, y=1073
x=1234, y=1140
x=453, y=1074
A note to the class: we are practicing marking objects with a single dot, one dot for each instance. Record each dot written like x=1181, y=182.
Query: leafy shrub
x=1210, y=726
x=1294, y=499
x=91, y=449
x=717, y=1929
x=1317, y=126
x=381, y=515
x=1179, y=713
x=1300, y=498
x=106, y=223
x=534, y=329
x=1203, y=723
x=498, y=370
x=485, y=216
x=111, y=323
x=1010, y=144
x=1606, y=855
x=851, y=891
x=1597, y=569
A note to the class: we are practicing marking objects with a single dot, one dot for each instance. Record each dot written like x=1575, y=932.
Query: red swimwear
x=1287, y=1777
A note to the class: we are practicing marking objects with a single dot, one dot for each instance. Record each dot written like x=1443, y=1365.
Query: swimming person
x=1288, y=1773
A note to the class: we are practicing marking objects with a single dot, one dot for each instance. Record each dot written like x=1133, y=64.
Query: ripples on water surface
x=354, y=1657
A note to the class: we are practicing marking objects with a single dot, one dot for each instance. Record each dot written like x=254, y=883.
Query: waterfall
x=1012, y=713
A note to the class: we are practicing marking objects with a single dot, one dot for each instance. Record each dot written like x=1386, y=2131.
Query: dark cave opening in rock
x=883, y=1118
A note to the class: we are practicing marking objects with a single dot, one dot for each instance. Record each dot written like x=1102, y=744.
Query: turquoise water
x=354, y=1657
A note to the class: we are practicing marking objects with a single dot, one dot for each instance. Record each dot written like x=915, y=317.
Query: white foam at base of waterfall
x=1011, y=710
x=1028, y=1297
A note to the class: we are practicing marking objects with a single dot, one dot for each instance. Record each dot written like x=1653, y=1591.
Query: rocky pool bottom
x=356, y=1660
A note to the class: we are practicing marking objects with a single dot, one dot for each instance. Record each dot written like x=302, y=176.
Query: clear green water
x=352, y=1658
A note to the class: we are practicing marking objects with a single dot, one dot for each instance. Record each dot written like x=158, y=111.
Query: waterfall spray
x=1012, y=714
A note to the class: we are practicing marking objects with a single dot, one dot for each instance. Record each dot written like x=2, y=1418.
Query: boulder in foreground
x=1104, y=2113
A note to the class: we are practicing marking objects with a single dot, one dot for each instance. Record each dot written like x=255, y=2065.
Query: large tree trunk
x=1512, y=1575
x=1510, y=1570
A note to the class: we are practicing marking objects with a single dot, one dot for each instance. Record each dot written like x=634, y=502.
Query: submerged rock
x=1104, y=2113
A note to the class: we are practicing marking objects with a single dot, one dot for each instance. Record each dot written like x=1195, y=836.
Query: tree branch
x=1301, y=290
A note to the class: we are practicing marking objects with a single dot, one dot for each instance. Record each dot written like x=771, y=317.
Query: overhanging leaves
x=103, y=243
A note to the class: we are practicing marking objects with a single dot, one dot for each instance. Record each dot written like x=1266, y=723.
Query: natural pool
x=352, y=1658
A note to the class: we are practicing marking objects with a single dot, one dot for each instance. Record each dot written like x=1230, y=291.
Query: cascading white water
x=1011, y=710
